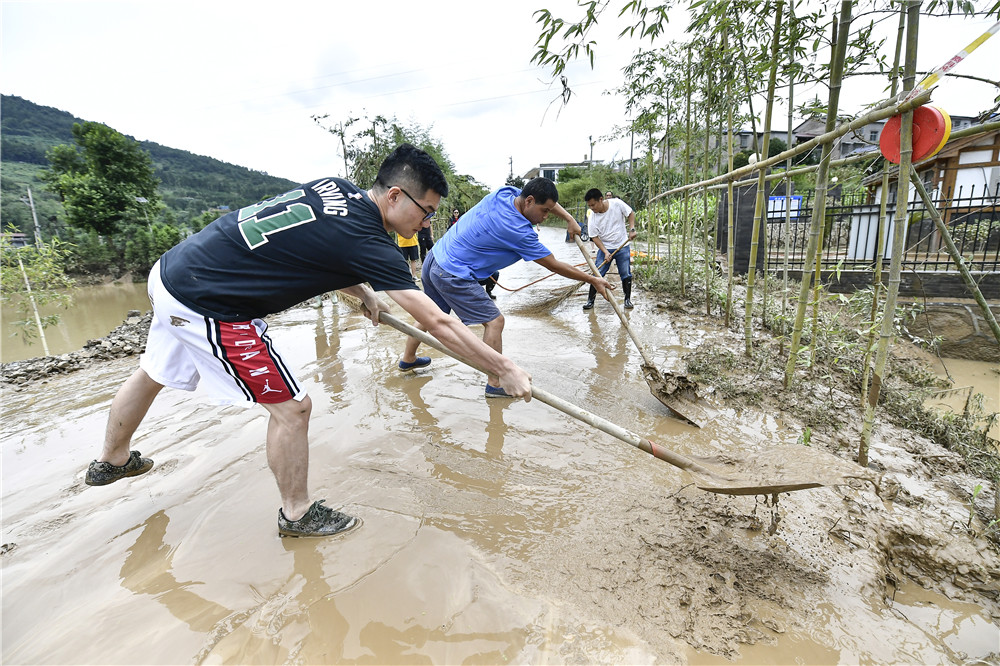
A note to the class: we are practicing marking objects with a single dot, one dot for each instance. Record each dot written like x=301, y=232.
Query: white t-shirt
x=610, y=226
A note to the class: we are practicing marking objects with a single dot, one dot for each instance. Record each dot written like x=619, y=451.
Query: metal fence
x=851, y=232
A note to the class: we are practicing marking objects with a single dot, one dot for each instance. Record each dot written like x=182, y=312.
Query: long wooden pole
x=34, y=306
x=730, y=204
x=819, y=201
x=760, y=204
x=687, y=173
x=900, y=219
x=792, y=27
x=884, y=110
x=704, y=195
x=882, y=227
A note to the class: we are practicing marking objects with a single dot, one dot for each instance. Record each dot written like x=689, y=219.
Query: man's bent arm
x=457, y=337
x=551, y=263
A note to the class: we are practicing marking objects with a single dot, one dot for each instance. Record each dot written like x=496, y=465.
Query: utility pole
x=144, y=201
x=38, y=233
x=511, y=160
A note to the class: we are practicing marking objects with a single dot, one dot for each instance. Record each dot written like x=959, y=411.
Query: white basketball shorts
x=236, y=362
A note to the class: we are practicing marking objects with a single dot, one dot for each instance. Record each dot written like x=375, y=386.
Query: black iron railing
x=852, y=227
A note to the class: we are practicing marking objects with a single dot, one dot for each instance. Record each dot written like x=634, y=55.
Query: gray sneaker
x=103, y=473
x=318, y=521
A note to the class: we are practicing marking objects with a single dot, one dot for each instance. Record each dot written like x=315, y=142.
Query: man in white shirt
x=611, y=227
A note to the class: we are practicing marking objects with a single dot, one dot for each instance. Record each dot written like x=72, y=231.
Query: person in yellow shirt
x=408, y=246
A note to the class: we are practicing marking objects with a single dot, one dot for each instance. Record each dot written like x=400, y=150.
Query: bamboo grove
x=675, y=92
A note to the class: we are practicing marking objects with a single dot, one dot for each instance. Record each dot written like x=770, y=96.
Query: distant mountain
x=189, y=184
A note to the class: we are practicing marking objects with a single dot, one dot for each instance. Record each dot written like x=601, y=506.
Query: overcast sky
x=239, y=81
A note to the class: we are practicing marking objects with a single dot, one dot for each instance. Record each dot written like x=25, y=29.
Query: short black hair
x=411, y=168
x=542, y=189
x=593, y=194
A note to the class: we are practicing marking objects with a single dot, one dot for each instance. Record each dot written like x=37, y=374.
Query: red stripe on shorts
x=250, y=358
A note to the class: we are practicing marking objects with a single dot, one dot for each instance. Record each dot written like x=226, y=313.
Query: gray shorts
x=463, y=296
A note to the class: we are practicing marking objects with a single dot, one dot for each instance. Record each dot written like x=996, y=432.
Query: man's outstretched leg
x=288, y=458
x=127, y=411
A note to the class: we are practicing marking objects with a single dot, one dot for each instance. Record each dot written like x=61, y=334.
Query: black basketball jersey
x=264, y=258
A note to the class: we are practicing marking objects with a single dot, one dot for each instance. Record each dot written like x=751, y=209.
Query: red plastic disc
x=931, y=128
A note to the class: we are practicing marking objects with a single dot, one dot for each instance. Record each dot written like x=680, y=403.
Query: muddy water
x=969, y=378
x=95, y=312
x=494, y=531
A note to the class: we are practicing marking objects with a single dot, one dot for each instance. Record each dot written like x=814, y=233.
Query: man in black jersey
x=211, y=292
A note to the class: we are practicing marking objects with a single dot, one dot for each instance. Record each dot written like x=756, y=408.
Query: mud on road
x=493, y=532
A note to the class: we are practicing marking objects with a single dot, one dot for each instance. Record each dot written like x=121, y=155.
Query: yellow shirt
x=403, y=242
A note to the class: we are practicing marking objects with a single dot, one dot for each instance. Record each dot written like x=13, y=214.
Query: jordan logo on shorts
x=267, y=388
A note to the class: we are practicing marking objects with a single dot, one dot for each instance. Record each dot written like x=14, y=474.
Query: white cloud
x=239, y=80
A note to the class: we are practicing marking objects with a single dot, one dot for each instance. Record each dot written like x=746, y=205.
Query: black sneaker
x=103, y=473
x=318, y=521
x=628, y=304
x=589, y=305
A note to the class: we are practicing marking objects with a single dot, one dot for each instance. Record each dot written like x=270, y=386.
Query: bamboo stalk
x=882, y=226
x=760, y=209
x=687, y=172
x=899, y=234
x=704, y=194
x=730, y=213
x=819, y=202
x=788, y=167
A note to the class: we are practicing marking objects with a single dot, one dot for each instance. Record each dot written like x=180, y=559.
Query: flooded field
x=95, y=312
x=494, y=531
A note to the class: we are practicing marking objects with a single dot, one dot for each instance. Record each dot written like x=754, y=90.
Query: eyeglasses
x=429, y=214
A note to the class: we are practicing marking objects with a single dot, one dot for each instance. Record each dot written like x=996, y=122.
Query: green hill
x=189, y=184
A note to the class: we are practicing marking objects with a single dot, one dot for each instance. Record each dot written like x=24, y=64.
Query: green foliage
x=91, y=254
x=365, y=150
x=145, y=246
x=38, y=269
x=741, y=159
x=573, y=183
x=515, y=181
x=189, y=184
x=100, y=179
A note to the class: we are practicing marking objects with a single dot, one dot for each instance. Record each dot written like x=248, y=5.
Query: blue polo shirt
x=491, y=236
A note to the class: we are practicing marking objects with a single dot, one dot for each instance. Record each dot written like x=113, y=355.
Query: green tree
x=515, y=181
x=366, y=149
x=100, y=178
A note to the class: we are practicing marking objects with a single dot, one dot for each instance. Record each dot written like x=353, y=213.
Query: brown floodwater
x=482, y=519
x=968, y=378
x=95, y=311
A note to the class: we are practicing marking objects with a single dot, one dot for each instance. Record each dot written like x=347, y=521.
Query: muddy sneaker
x=318, y=521
x=496, y=392
x=103, y=473
x=421, y=362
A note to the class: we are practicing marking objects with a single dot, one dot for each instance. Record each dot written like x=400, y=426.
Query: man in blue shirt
x=495, y=233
